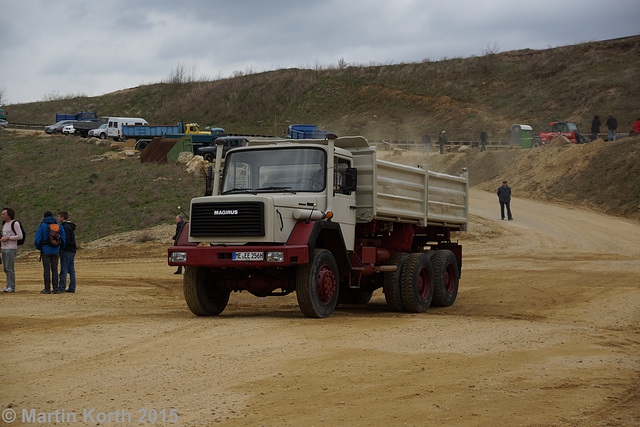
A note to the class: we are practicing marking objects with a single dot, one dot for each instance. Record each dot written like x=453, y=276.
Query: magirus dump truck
x=327, y=220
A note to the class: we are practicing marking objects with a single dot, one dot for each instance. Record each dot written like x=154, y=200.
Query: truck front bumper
x=239, y=256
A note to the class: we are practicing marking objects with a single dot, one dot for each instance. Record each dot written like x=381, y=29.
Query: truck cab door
x=344, y=201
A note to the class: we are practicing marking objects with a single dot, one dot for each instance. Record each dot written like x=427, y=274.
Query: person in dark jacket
x=483, y=140
x=442, y=141
x=179, y=227
x=612, y=124
x=595, y=127
x=67, y=255
x=49, y=252
x=504, y=196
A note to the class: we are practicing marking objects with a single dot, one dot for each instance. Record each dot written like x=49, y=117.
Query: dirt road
x=544, y=332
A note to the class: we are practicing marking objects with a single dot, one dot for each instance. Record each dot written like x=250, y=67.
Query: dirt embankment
x=547, y=317
x=604, y=176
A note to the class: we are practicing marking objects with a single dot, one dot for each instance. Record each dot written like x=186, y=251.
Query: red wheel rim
x=424, y=284
x=449, y=278
x=326, y=284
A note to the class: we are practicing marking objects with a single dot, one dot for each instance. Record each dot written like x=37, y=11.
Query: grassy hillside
x=103, y=195
x=401, y=101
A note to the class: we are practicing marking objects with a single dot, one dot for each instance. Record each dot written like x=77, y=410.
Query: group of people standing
x=56, y=241
x=443, y=139
x=612, y=127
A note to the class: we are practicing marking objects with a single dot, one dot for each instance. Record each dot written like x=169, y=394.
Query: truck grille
x=227, y=219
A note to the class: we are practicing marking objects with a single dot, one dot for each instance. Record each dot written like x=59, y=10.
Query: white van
x=114, y=127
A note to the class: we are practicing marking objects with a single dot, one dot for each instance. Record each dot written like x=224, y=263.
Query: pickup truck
x=324, y=219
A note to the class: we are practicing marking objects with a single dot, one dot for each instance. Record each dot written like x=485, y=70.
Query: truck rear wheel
x=446, y=275
x=391, y=284
x=417, y=282
x=317, y=285
x=203, y=291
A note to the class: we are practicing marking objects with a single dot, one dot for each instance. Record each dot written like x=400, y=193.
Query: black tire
x=141, y=145
x=103, y=135
x=446, y=274
x=391, y=284
x=209, y=157
x=317, y=285
x=203, y=291
x=417, y=282
x=536, y=142
x=354, y=296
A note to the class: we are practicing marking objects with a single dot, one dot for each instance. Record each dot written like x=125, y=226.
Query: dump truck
x=144, y=134
x=324, y=219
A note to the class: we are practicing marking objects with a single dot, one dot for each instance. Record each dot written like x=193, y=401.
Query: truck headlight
x=275, y=256
x=178, y=257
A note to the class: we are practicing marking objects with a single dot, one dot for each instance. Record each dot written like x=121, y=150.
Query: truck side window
x=341, y=166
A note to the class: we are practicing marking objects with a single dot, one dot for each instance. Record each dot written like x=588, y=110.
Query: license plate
x=248, y=256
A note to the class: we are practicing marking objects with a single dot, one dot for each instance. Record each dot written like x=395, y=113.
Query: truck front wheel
x=317, y=285
x=203, y=291
x=417, y=282
x=445, y=273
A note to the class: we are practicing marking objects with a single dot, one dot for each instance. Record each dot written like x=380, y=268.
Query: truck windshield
x=275, y=170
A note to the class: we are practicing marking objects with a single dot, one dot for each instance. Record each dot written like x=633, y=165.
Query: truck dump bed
x=395, y=192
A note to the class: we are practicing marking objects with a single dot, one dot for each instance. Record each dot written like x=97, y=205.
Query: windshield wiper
x=239, y=190
x=273, y=188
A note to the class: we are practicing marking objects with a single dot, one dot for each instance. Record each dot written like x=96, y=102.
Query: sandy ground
x=544, y=332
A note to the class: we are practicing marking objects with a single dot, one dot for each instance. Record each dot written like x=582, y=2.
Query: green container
x=521, y=135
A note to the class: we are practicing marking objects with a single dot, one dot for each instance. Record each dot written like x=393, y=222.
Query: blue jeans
x=612, y=135
x=67, y=266
x=508, y=205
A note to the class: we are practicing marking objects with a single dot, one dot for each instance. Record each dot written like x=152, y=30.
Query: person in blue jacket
x=49, y=251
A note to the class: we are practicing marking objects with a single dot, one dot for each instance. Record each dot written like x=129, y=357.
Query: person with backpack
x=67, y=254
x=12, y=236
x=49, y=239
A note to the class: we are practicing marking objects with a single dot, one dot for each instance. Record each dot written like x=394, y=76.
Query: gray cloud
x=79, y=47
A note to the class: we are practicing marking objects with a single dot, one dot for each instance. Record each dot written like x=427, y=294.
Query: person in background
x=504, y=196
x=50, y=251
x=11, y=233
x=67, y=255
x=179, y=227
x=483, y=140
x=426, y=142
x=612, y=125
x=442, y=141
x=595, y=127
x=636, y=127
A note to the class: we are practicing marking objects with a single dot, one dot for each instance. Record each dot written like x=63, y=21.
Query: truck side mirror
x=350, y=180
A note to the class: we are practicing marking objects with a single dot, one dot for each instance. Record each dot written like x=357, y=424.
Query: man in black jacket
x=67, y=255
x=504, y=196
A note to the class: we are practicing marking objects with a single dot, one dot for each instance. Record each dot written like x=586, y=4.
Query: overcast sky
x=60, y=48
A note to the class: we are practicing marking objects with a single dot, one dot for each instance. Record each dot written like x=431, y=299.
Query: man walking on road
x=504, y=196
